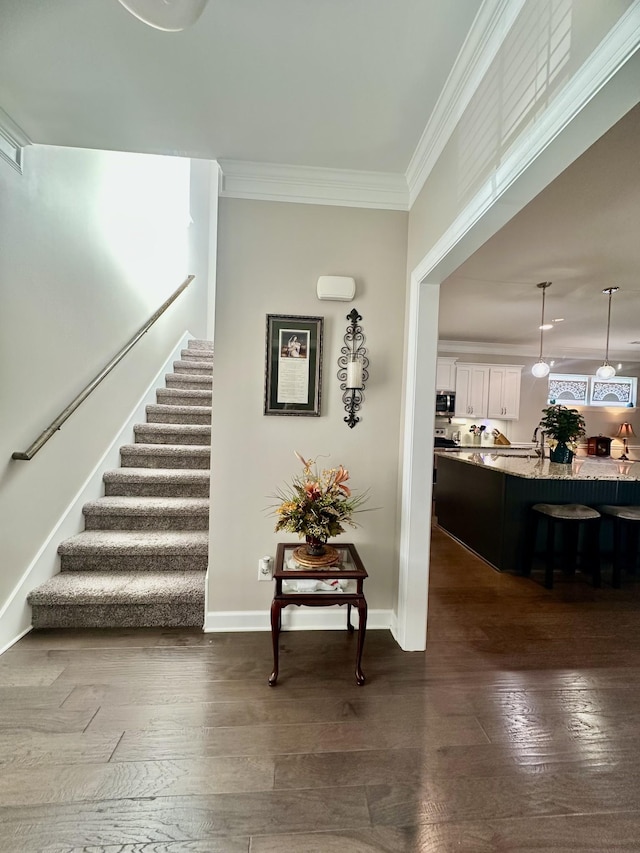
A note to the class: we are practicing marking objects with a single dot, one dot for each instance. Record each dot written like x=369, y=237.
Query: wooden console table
x=351, y=574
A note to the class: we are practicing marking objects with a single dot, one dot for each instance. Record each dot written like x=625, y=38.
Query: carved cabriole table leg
x=362, y=627
x=276, y=622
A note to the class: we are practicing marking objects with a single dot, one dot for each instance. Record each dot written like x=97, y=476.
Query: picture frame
x=293, y=365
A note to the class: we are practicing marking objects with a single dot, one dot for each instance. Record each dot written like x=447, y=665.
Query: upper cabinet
x=504, y=392
x=446, y=374
x=472, y=390
x=488, y=391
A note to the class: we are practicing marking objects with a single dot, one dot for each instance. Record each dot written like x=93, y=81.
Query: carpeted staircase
x=142, y=558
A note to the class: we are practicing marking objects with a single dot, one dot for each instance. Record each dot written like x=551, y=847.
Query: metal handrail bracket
x=44, y=437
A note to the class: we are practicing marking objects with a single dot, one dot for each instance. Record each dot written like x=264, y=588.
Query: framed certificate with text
x=293, y=371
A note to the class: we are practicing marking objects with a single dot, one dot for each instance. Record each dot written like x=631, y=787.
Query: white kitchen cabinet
x=488, y=391
x=446, y=374
x=504, y=392
x=472, y=390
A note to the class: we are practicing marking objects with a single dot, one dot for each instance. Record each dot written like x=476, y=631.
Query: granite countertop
x=534, y=468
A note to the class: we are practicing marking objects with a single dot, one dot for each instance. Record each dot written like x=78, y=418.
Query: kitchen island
x=484, y=497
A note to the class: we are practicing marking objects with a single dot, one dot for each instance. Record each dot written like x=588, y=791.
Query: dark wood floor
x=518, y=730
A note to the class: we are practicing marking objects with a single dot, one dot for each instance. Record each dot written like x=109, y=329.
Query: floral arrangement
x=562, y=426
x=317, y=503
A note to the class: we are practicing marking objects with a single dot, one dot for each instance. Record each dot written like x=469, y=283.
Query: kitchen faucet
x=539, y=448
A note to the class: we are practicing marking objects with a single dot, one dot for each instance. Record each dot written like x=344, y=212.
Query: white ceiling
x=340, y=84
x=343, y=84
x=583, y=234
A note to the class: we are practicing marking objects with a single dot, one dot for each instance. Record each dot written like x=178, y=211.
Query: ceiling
x=343, y=84
x=583, y=234
x=340, y=84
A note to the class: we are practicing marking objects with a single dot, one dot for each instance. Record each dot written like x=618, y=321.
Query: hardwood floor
x=518, y=730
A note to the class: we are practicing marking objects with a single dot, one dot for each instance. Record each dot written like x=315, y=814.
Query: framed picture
x=293, y=373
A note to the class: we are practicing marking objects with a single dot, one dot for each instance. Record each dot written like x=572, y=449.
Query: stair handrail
x=55, y=425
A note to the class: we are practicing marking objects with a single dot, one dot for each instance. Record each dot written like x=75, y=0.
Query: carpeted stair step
x=172, y=433
x=123, y=599
x=127, y=513
x=191, y=366
x=159, y=414
x=165, y=456
x=135, y=550
x=197, y=355
x=188, y=382
x=183, y=397
x=158, y=482
x=196, y=344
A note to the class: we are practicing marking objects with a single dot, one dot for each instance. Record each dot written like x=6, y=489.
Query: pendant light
x=168, y=15
x=606, y=370
x=541, y=369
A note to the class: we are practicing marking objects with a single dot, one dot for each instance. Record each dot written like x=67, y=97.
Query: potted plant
x=563, y=427
x=316, y=505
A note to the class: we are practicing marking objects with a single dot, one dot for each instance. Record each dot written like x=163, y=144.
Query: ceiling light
x=546, y=327
x=541, y=368
x=606, y=370
x=559, y=320
x=168, y=15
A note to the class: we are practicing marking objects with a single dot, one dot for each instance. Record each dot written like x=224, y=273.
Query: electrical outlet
x=265, y=569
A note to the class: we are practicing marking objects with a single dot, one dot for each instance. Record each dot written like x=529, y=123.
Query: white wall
x=548, y=43
x=270, y=256
x=92, y=244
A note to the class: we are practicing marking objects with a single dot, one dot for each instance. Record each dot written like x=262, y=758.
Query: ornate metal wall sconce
x=352, y=368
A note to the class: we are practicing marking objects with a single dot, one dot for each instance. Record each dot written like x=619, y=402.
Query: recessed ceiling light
x=559, y=320
x=619, y=367
x=546, y=326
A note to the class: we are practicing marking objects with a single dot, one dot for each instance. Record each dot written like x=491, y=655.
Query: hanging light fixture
x=541, y=368
x=168, y=15
x=606, y=370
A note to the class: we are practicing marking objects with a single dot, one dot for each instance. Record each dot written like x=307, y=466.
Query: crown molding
x=12, y=140
x=532, y=351
x=488, y=31
x=313, y=185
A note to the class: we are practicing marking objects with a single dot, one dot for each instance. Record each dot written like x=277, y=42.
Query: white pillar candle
x=354, y=372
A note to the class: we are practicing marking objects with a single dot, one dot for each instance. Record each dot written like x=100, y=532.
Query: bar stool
x=568, y=517
x=625, y=527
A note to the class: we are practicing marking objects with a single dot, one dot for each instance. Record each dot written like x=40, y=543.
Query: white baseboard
x=15, y=615
x=393, y=626
x=293, y=619
x=8, y=645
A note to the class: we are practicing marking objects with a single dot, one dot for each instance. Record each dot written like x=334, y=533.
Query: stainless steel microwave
x=445, y=404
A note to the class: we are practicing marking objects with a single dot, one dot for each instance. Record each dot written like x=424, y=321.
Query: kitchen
x=578, y=234
x=507, y=402
x=484, y=488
